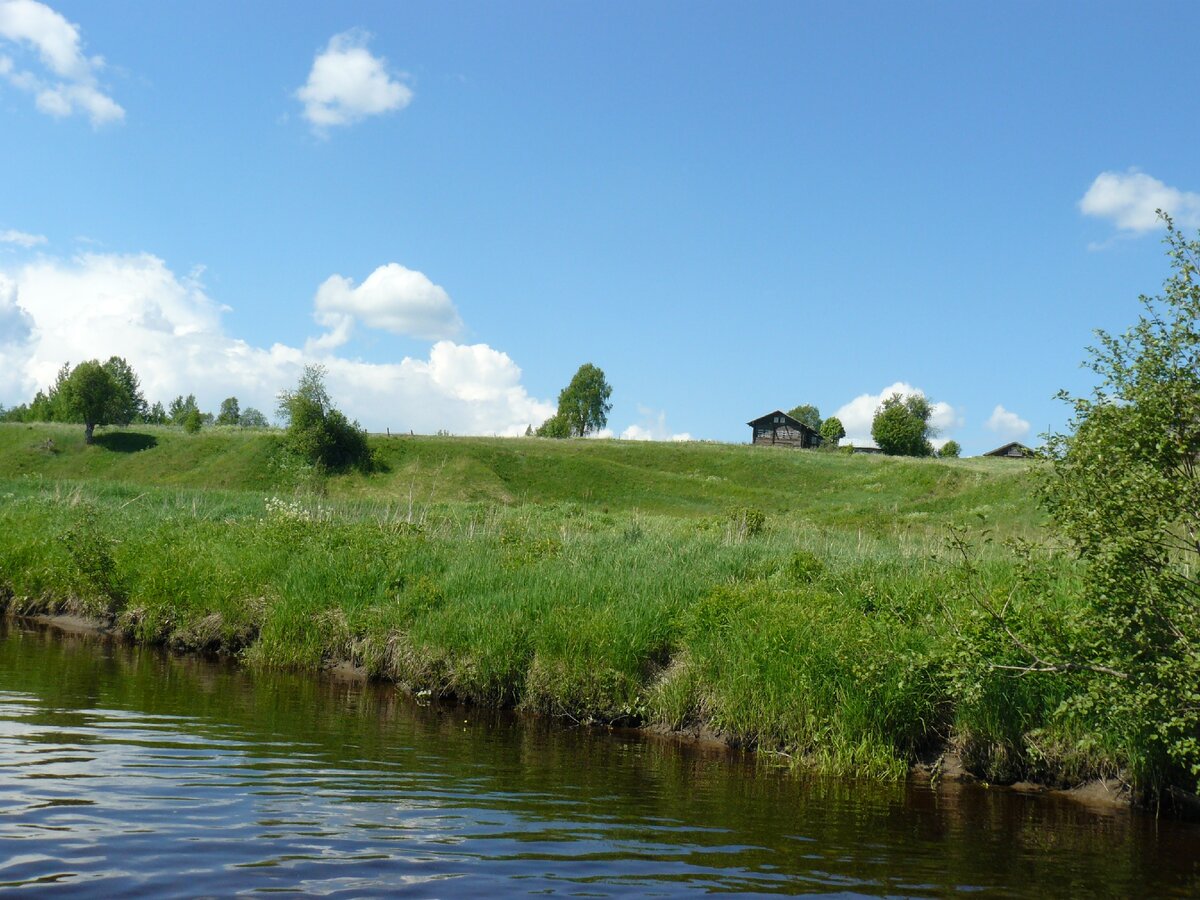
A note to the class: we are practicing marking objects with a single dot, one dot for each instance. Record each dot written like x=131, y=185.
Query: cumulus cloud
x=65, y=81
x=347, y=84
x=1007, y=425
x=653, y=427
x=1130, y=200
x=393, y=298
x=859, y=413
x=170, y=330
x=21, y=238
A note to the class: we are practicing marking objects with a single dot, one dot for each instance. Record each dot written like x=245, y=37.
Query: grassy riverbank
x=797, y=601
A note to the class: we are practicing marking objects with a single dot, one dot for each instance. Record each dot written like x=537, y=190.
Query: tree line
x=109, y=393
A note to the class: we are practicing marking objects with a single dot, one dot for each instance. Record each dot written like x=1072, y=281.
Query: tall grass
x=826, y=635
x=799, y=602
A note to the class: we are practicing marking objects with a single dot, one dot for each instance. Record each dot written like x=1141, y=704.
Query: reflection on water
x=123, y=770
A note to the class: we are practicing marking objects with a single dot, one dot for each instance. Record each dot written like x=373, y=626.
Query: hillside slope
x=684, y=479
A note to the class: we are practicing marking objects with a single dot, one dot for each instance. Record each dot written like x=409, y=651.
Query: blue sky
x=728, y=209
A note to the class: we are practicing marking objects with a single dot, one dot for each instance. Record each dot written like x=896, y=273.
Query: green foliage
x=901, y=426
x=745, y=522
x=1117, y=649
x=84, y=395
x=93, y=395
x=230, y=413
x=832, y=431
x=317, y=431
x=252, y=418
x=192, y=421
x=554, y=427
x=157, y=415
x=950, y=450
x=130, y=404
x=583, y=405
x=808, y=414
x=90, y=548
x=180, y=408
x=1124, y=490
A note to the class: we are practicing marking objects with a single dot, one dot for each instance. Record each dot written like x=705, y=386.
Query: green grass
x=598, y=580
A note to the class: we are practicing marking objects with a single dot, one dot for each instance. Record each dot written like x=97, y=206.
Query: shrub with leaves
x=1123, y=491
x=319, y=432
x=91, y=550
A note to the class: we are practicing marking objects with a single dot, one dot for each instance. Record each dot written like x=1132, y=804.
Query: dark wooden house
x=778, y=429
x=1011, y=450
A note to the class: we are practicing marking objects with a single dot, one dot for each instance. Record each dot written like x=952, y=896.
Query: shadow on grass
x=126, y=441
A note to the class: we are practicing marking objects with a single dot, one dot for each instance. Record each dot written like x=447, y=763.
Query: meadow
x=799, y=602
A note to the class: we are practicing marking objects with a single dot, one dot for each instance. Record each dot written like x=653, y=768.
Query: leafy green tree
x=134, y=406
x=252, y=418
x=181, y=407
x=808, y=414
x=92, y=395
x=230, y=413
x=319, y=432
x=583, y=405
x=832, y=431
x=950, y=450
x=157, y=415
x=193, y=421
x=41, y=408
x=901, y=426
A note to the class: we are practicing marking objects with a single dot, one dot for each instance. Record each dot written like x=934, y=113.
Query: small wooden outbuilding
x=1012, y=450
x=778, y=429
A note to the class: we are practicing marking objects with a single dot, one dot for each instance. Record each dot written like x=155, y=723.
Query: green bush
x=317, y=431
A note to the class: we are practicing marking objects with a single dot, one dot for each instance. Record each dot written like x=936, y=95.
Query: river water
x=125, y=771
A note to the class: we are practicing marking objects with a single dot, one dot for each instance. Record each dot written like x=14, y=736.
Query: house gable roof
x=769, y=419
x=1003, y=451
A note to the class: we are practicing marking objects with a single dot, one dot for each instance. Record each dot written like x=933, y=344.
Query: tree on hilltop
x=91, y=394
x=252, y=418
x=832, y=431
x=950, y=450
x=230, y=413
x=317, y=430
x=901, y=426
x=583, y=405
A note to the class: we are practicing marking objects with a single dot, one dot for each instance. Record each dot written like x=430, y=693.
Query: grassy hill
x=791, y=600
x=683, y=479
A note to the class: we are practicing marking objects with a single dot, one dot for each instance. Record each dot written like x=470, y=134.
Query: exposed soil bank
x=942, y=766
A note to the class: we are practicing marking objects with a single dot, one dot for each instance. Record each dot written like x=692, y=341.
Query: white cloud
x=393, y=298
x=859, y=413
x=653, y=427
x=1130, y=200
x=21, y=238
x=1007, y=424
x=16, y=328
x=170, y=330
x=347, y=84
x=68, y=82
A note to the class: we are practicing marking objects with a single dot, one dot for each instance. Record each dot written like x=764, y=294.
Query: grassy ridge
x=790, y=600
x=687, y=479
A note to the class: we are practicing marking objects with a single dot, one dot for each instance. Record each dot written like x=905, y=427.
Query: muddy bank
x=941, y=766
